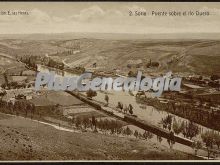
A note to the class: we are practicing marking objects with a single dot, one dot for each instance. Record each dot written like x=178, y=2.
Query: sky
x=107, y=17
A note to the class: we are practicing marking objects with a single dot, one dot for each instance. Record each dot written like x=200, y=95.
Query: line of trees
x=201, y=114
x=55, y=64
x=30, y=61
x=18, y=107
x=191, y=130
x=188, y=129
x=14, y=85
x=112, y=126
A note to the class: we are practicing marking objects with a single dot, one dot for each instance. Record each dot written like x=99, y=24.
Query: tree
x=118, y=127
x=106, y=99
x=131, y=74
x=136, y=133
x=130, y=107
x=172, y=139
x=196, y=145
x=159, y=139
x=214, y=77
x=120, y=105
x=155, y=64
x=17, y=107
x=94, y=121
x=27, y=108
x=100, y=124
x=128, y=131
x=85, y=122
x=6, y=78
x=3, y=85
x=208, y=138
x=106, y=124
x=200, y=77
x=2, y=93
x=125, y=109
x=10, y=107
x=167, y=122
x=32, y=110
x=178, y=127
x=147, y=135
x=217, y=139
x=90, y=93
x=191, y=130
x=140, y=135
x=78, y=122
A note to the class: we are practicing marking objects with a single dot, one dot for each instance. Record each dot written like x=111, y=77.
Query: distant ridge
x=112, y=36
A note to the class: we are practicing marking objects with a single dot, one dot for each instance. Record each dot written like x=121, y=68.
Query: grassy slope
x=23, y=139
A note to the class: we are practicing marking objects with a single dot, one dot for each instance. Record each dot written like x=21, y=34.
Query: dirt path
x=45, y=123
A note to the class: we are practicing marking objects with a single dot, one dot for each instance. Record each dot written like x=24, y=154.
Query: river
x=147, y=113
x=143, y=112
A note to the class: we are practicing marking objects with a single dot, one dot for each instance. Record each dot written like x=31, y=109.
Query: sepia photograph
x=109, y=81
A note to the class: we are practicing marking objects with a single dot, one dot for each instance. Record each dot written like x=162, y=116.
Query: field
x=186, y=56
x=46, y=98
x=24, y=139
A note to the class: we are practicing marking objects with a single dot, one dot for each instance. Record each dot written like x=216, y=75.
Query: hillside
x=23, y=139
x=185, y=56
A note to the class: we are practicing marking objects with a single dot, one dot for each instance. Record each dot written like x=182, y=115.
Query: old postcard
x=101, y=81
